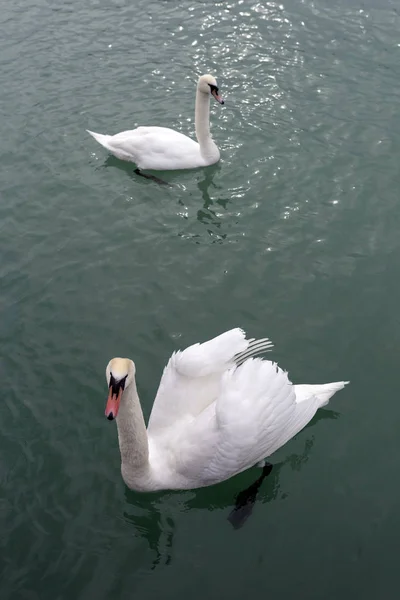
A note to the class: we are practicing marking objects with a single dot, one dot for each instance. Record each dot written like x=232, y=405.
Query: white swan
x=218, y=411
x=161, y=148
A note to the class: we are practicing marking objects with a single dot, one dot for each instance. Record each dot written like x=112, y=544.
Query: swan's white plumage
x=215, y=416
x=158, y=148
x=191, y=379
x=162, y=148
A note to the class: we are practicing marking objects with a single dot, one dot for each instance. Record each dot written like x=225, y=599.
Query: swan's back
x=147, y=146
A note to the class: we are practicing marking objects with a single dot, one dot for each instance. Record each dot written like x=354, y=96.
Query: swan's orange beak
x=217, y=96
x=113, y=400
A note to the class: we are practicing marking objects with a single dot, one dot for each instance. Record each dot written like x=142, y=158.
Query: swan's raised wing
x=192, y=378
x=256, y=413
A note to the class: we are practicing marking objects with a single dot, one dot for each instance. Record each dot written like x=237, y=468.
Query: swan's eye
x=213, y=88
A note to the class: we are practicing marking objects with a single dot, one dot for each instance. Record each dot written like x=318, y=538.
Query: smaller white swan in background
x=218, y=411
x=161, y=148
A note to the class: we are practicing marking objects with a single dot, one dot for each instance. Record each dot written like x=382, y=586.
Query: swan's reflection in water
x=114, y=162
x=150, y=518
x=151, y=514
x=181, y=182
x=160, y=178
x=179, y=179
x=208, y=213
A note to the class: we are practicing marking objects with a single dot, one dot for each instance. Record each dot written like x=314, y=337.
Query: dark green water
x=294, y=235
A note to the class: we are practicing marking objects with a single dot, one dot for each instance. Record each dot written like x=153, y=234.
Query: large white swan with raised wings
x=161, y=148
x=218, y=411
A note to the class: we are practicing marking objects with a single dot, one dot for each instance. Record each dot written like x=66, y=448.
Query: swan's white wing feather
x=255, y=414
x=256, y=404
x=191, y=380
x=255, y=348
x=156, y=148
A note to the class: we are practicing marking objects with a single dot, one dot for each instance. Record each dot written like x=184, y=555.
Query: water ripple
x=295, y=230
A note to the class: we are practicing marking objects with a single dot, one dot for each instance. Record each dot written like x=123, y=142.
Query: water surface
x=294, y=235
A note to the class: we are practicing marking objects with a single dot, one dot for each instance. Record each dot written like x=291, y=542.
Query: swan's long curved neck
x=132, y=436
x=208, y=147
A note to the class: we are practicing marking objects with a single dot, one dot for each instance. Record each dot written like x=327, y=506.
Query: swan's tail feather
x=322, y=392
x=325, y=392
x=100, y=137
